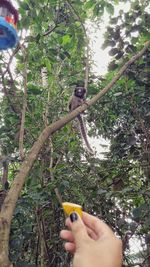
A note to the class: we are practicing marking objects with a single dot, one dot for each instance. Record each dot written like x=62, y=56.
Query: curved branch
x=15, y=51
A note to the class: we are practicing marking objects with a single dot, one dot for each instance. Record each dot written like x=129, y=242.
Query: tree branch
x=23, y=113
x=50, y=30
x=15, y=51
x=87, y=65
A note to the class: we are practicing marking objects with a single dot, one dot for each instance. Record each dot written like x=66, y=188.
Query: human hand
x=92, y=242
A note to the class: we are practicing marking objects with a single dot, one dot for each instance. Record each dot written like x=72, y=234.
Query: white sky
x=101, y=57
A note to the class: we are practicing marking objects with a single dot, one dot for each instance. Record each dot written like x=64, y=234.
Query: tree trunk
x=4, y=243
x=4, y=259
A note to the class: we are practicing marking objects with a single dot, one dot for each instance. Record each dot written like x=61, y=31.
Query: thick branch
x=13, y=194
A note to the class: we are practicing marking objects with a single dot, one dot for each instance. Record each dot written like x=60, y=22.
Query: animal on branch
x=77, y=99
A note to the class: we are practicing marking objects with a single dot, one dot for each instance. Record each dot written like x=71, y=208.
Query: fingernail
x=73, y=217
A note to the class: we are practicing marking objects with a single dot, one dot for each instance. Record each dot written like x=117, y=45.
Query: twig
x=58, y=194
x=55, y=26
x=11, y=58
x=6, y=93
x=45, y=118
x=21, y=134
x=44, y=238
x=50, y=31
x=87, y=43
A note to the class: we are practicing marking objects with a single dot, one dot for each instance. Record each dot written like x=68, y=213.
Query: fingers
x=68, y=235
x=78, y=229
x=97, y=226
x=70, y=247
x=91, y=233
x=83, y=230
x=94, y=226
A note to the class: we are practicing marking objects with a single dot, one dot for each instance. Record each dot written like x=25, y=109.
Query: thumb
x=78, y=230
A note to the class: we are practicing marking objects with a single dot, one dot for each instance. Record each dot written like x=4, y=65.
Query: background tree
x=37, y=79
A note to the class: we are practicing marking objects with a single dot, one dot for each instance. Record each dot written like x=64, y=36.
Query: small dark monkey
x=77, y=100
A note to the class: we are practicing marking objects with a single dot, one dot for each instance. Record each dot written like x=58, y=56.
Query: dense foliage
x=38, y=77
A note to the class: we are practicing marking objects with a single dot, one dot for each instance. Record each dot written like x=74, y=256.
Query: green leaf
x=89, y=4
x=147, y=222
x=137, y=214
x=66, y=39
x=48, y=64
x=101, y=191
x=109, y=8
x=25, y=264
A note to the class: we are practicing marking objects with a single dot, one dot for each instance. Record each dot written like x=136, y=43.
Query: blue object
x=8, y=35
